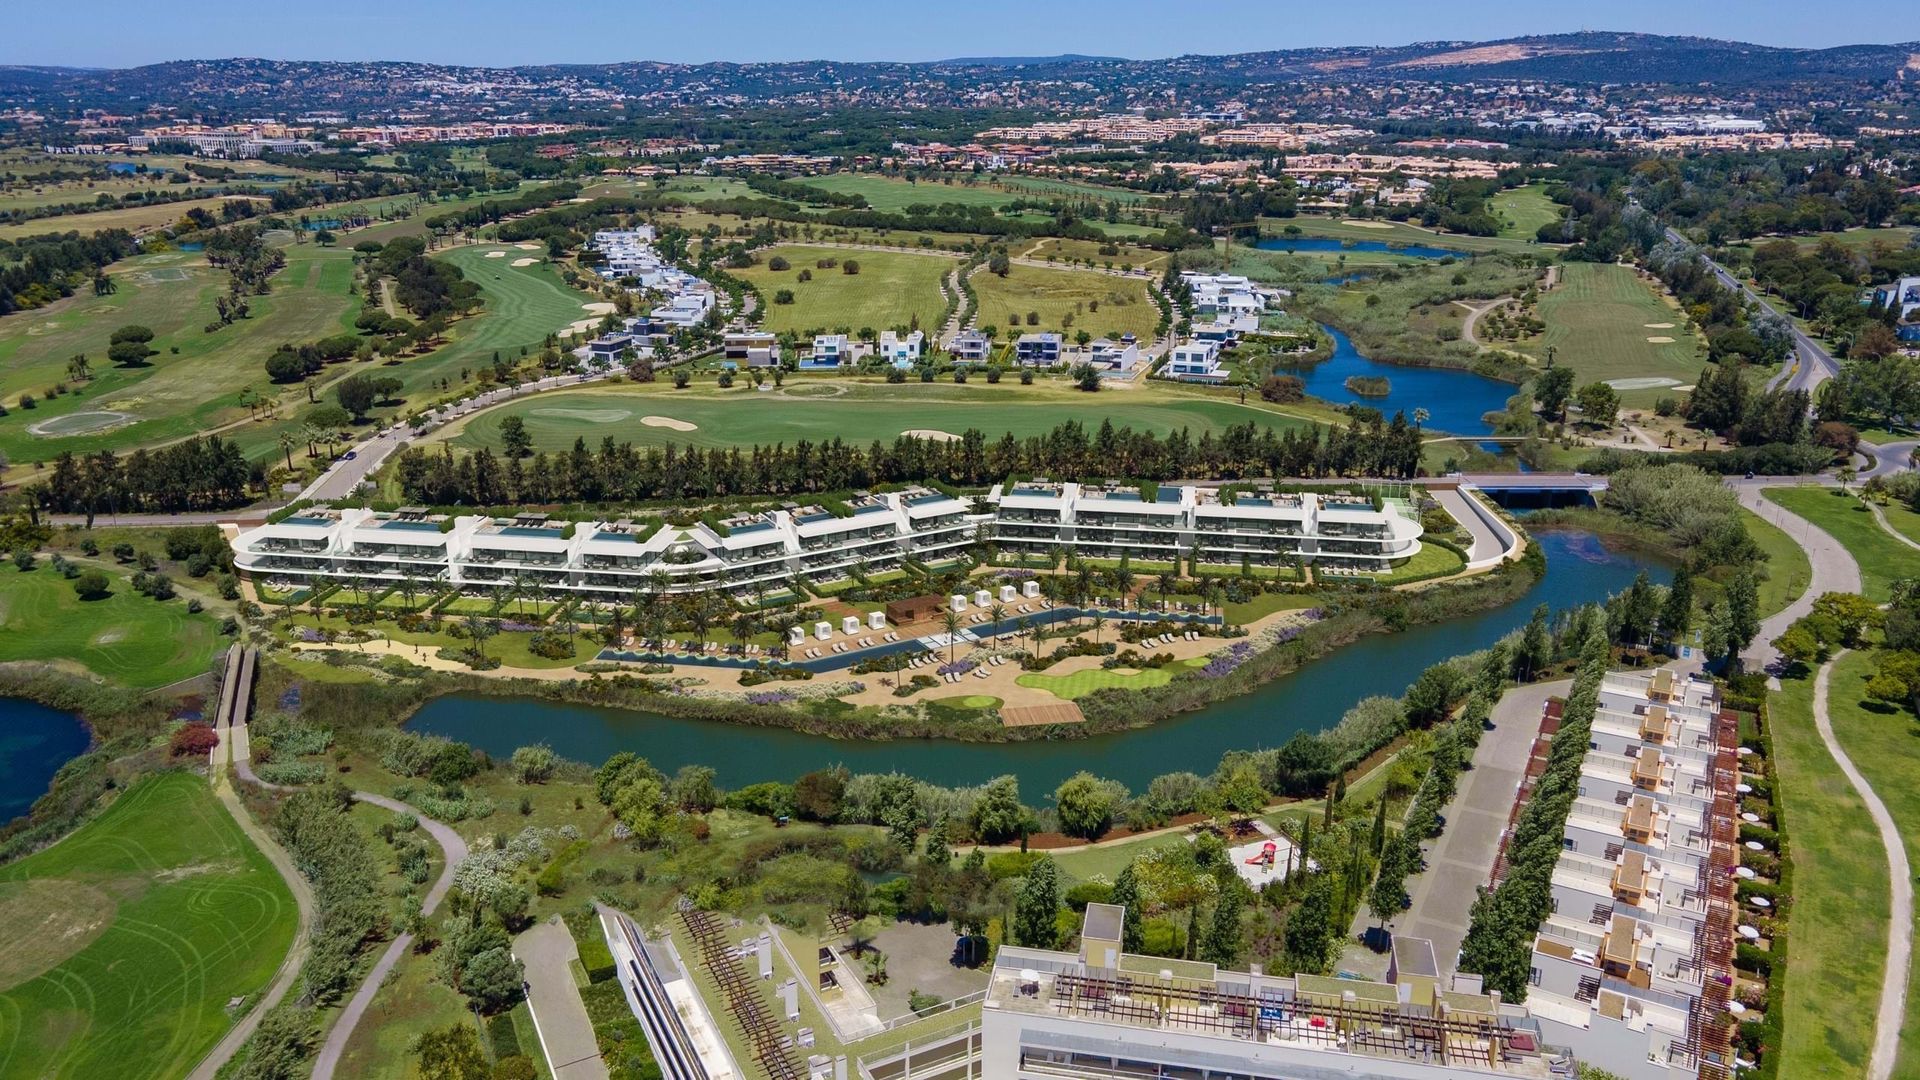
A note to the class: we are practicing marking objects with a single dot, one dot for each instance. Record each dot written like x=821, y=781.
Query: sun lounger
x=980, y=673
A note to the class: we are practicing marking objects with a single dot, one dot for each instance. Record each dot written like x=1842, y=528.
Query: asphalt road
x=1812, y=364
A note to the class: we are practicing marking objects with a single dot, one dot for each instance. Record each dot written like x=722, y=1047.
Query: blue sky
x=117, y=33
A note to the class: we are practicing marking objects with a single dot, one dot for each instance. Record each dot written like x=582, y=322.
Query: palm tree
x=1164, y=583
x=1420, y=416
x=287, y=442
x=998, y=614
x=518, y=589
x=950, y=622
x=744, y=627
x=1098, y=622
x=1024, y=627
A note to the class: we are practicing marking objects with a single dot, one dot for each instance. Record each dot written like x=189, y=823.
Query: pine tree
x=938, y=853
x=1220, y=945
x=1310, y=936
x=1126, y=893
x=1676, y=615
x=1038, y=907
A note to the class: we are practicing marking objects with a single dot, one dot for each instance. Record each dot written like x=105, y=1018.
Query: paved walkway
x=283, y=979
x=559, y=1015
x=1461, y=860
x=1833, y=571
x=455, y=850
x=1886, y=526
x=1486, y=545
x=1893, y=987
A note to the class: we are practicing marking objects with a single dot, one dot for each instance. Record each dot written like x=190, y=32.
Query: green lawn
x=886, y=193
x=1522, y=210
x=1904, y=521
x=1788, y=571
x=1882, y=559
x=122, y=944
x=125, y=636
x=132, y=218
x=890, y=291
x=867, y=411
x=1841, y=907
x=1598, y=324
x=176, y=394
x=1883, y=745
x=1081, y=683
x=1107, y=860
x=1066, y=301
x=1430, y=559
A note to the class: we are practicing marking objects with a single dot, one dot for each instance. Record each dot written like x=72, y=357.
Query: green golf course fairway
x=867, y=411
x=130, y=638
x=121, y=945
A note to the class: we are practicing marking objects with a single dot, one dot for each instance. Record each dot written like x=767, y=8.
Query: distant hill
x=1026, y=61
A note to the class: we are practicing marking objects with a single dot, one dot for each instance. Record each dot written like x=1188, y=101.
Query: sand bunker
x=1658, y=325
x=1644, y=382
x=525, y=262
x=1686, y=388
x=669, y=422
x=528, y=247
x=931, y=433
x=600, y=307
x=580, y=326
x=1368, y=224
x=496, y=254
x=1659, y=339
x=80, y=423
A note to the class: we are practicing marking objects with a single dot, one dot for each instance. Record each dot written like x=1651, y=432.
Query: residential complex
x=742, y=553
x=1219, y=527
x=1196, y=361
x=1633, y=968
x=1103, y=1013
x=823, y=542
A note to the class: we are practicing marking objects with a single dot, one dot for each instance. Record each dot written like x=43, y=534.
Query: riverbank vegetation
x=1413, y=315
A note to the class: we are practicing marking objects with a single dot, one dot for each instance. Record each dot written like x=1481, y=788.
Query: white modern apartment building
x=1102, y=1014
x=1632, y=969
x=1224, y=295
x=741, y=554
x=1195, y=361
x=629, y=253
x=1221, y=527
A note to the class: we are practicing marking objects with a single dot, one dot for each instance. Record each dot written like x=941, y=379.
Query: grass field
x=1124, y=306
x=1081, y=683
x=890, y=291
x=1904, y=521
x=176, y=394
x=121, y=945
x=1597, y=324
x=131, y=218
x=1522, y=210
x=1880, y=740
x=130, y=638
x=1882, y=559
x=867, y=411
x=1841, y=907
x=1788, y=571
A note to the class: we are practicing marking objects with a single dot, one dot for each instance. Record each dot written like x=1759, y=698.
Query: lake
x=1456, y=401
x=1324, y=244
x=34, y=742
x=1579, y=568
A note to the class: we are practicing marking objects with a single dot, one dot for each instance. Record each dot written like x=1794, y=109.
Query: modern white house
x=829, y=350
x=754, y=348
x=1195, y=361
x=1037, y=350
x=739, y=554
x=1224, y=528
x=1633, y=968
x=970, y=347
x=1224, y=295
x=1120, y=356
x=900, y=350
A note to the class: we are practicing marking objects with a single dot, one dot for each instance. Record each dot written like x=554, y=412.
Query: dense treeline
x=1734, y=196
x=426, y=287
x=197, y=474
x=621, y=472
x=41, y=269
x=493, y=210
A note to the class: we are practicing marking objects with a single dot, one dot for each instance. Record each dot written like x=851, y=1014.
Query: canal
x=1579, y=569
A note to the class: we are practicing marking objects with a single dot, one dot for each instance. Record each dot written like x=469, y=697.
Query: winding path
x=455, y=850
x=1893, y=986
x=1834, y=570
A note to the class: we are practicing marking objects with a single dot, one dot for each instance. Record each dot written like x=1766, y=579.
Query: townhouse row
x=1632, y=968
x=1218, y=527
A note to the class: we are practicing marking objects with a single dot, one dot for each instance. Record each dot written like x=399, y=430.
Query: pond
x=34, y=742
x=1456, y=401
x=1580, y=568
x=1326, y=244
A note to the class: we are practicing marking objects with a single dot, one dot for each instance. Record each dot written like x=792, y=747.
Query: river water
x=34, y=742
x=1319, y=245
x=1456, y=401
x=1579, y=569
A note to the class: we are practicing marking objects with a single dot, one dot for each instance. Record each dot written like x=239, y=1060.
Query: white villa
x=1224, y=295
x=901, y=350
x=1222, y=528
x=1195, y=361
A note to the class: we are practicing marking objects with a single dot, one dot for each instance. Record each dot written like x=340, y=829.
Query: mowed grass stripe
x=1597, y=324
x=891, y=290
x=125, y=636
x=1122, y=304
x=199, y=916
x=743, y=417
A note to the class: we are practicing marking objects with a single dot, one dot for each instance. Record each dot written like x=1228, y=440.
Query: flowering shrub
x=771, y=697
x=958, y=667
x=1225, y=662
x=513, y=627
